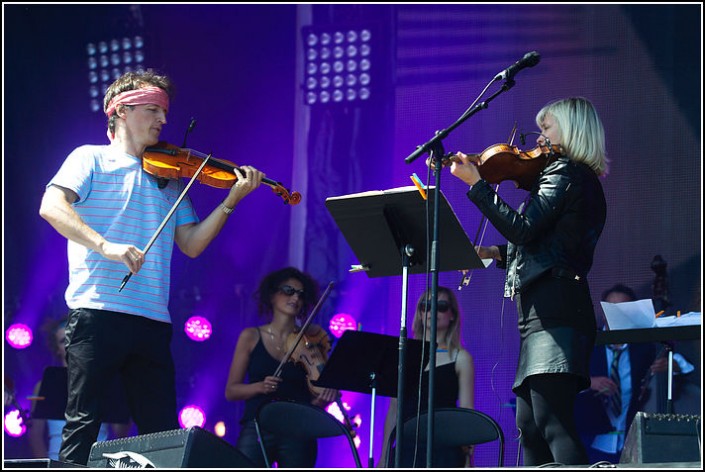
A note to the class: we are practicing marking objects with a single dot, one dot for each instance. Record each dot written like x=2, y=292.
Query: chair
x=453, y=427
x=287, y=418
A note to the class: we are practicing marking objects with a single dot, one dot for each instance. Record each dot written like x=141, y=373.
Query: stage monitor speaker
x=656, y=437
x=38, y=464
x=180, y=448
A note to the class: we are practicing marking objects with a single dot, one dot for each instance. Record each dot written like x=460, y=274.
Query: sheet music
x=372, y=193
x=687, y=319
x=630, y=315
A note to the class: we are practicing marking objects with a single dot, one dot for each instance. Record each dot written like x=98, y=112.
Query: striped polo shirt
x=125, y=205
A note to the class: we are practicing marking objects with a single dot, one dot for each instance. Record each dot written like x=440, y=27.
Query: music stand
x=386, y=230
x=663, y=335
x=367, y=363
x=53, y=395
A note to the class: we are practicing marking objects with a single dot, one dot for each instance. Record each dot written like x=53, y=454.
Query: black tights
x=545, y=419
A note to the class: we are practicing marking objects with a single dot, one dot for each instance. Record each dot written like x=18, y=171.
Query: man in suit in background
x=605, y=411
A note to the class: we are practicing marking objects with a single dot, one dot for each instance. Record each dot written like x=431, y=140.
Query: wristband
x=226, y=209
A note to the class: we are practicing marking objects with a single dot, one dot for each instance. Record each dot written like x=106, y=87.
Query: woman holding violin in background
x=285, y=295
x=108, y=207
x=549, y=254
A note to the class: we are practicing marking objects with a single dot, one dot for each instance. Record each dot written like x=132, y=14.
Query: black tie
x=615, y=401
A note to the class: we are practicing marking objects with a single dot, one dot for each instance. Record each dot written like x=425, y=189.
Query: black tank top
x=293, y=385
x=445, y=394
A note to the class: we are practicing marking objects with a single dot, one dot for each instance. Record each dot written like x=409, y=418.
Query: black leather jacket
x=558, y=228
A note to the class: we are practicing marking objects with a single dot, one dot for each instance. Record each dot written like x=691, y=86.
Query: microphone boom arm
x=442, y=134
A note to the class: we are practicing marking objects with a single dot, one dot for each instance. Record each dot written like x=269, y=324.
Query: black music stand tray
x=53, y=395
x=367, y=363
x=378, y=225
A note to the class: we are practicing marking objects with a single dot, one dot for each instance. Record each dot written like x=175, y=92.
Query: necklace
x=277, y=345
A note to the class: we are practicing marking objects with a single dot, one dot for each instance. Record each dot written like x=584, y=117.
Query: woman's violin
x=311, y=352
x=167, y=161
x=502, y=162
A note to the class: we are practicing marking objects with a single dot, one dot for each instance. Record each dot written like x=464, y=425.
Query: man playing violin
x=285, y=295
x=549, y=254
x=108, y=208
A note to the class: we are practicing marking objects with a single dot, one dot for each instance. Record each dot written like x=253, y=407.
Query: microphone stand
x=434, y=147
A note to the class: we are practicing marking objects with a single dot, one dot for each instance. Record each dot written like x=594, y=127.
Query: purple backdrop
x=234, y=67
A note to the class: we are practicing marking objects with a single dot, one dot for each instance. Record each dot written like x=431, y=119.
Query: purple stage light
x=334, y=410
x=14, y=424
x=192, y=415
x=341, y=323
x=19, y=336
x=198, y=328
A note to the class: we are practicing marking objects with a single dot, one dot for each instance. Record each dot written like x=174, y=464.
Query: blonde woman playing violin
x=547, y=259
x=285, y=295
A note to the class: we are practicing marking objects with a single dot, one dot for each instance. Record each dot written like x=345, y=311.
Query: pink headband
x=150, y=95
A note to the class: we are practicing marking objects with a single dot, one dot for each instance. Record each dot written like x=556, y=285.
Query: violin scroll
x=290, y=198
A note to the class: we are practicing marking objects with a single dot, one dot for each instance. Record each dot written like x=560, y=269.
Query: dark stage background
x=235, y=69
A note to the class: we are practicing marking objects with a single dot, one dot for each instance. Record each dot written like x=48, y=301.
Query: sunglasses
x=288, y=290
x=442, y=306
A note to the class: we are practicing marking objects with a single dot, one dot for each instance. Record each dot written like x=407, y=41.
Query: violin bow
x=467, y=273
x=302, y=331
x=168, y=216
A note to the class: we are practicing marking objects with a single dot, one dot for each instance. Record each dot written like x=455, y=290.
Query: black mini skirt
x=561, y=350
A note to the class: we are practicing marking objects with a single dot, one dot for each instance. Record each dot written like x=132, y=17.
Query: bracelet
x=226, y=210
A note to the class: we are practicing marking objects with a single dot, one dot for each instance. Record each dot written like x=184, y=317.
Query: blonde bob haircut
x=582, y=133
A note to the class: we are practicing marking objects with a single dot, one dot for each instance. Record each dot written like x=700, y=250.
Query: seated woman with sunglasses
x=284, y=295
x=454, y=379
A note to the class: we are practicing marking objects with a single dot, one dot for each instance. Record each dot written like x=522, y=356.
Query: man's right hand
x=603, y=386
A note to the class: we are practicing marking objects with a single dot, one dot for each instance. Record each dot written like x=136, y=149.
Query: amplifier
x=38, y=464
x=180, y=448
x=656, y=437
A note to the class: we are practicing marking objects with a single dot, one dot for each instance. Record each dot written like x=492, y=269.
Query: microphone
x=530, y=59
x=522, y=137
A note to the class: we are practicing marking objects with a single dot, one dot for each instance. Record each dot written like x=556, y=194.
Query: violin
x=311, y=352
x=502, y=162
x=167, y=161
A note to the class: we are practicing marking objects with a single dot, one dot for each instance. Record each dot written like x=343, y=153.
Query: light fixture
x=108, y=60
x=192, y=415
x=198, y=328
x=219, y=429
x=14, y=423
x=337, y=65
x=340, y=323
x=19, y=336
